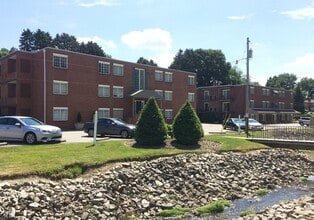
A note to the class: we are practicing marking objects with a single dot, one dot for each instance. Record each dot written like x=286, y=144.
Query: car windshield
x=31, y=121
x=119, y=121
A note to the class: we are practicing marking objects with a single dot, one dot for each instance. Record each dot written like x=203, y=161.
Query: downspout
x=45, y=92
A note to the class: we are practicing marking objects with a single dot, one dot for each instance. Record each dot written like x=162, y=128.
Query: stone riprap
x=142, y=189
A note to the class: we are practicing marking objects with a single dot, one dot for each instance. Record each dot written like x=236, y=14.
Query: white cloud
x=93, y=3
x=240, y=17
x=299, y=14
x=105, y=44
x=148, y=39
x=163, y=59
x=302, y=66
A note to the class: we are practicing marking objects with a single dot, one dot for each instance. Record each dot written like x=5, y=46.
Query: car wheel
x=301, y=123
x=30, y=138
x=124, y=134
x=91, y=132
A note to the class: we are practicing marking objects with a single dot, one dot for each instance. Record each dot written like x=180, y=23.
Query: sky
x=281, y=32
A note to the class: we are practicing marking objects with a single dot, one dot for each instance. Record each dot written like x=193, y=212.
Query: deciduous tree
x=210, y=65
x=282, y=81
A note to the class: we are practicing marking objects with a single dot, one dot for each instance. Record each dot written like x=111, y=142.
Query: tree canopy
x=27, y=40
x=142, y=60
x=307, y=87
x=298, y=100
x=282, y=81
x=4, y=52
x=210, y=65
x=30, y=41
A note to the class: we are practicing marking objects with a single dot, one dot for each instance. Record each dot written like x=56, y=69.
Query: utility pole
x=249, y=54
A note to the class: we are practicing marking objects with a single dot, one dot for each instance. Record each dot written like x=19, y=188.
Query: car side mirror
x=18, y=124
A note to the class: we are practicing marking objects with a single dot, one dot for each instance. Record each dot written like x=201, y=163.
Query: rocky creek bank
x=142, y=189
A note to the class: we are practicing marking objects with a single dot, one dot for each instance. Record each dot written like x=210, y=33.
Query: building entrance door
x=139, y=104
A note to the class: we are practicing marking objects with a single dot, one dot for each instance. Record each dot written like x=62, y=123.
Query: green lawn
x=235, y=142
x=51, y=159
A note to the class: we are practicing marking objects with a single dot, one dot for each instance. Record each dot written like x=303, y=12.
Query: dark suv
x=304, y=121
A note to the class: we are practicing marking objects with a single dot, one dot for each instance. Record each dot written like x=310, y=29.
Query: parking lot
x=80, y=136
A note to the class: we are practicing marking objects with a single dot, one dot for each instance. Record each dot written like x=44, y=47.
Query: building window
x=139, y=81
x=103, y=67
x=281, y=105
x=265, y=104
x=118, y=113
x=226, y=106
x=226, y=94
x=252, y=90
x=168, y=113
x=158, y=75
x=60, y=87
x=118, y=91
x=168, y=77
x=60, y=113
x=60, y=61
x=206, y=107
x=168, y=95
x=160, y=92
x=103, y=91
x=103, y=112
x=265, y=92
x=11, y=90
x=118, y=69
x=251, y=103
x=191, y=97
x=191, y=80
x=206, y=95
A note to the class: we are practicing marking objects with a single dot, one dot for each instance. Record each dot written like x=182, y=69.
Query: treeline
x=30, y=41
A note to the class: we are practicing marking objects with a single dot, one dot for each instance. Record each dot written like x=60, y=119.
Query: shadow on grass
x=168, y=144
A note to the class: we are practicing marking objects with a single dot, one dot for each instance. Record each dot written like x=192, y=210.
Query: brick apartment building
x=54, y=85
x=267, y=105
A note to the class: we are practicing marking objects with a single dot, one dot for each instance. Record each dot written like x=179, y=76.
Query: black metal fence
x=297, y=133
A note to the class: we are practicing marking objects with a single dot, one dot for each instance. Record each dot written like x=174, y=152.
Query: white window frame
x=206, y=95
x=117, y=91
x=168, y=95
x=252, y=102
x=158, y=75
x=160, y=92
x=60, y=113
x=117, y=109
x=191, y=96
x=60, y=87
x=61, y=63
x=103, y=89
x=101, y=67
x=226, y=93
x=121, y=69
x=103, y=112
x=168, y=113
x=191, y=80
x=223, y=107
x=168, y=77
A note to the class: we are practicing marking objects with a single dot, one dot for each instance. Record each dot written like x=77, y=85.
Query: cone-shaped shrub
x=151, y=128
x=187, y=127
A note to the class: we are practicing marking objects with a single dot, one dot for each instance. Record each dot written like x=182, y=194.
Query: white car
x=28, y=129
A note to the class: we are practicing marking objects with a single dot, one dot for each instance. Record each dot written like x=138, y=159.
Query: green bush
x=151, y=128
x=214, y=207
x=177, y=211
x=187, y=127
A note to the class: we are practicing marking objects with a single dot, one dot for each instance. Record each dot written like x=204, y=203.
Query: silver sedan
x=28, y=129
